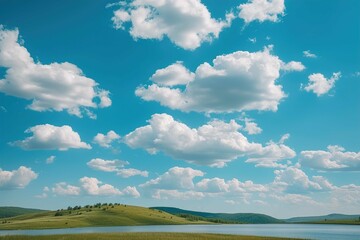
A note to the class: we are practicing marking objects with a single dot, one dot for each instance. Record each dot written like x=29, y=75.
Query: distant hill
x=329, y=217
x=94, y=215
x=232, y=217
x=6, y=212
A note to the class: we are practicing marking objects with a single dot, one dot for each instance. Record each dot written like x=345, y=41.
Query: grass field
x=119, y=215
x=140, y=236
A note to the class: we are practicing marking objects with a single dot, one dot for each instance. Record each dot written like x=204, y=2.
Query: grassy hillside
x=327, y=218
x=231, y=217
x=6, y=212
x=140, y=236
x=97, y=215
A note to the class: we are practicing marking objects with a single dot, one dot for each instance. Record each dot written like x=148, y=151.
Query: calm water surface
x=305, y=231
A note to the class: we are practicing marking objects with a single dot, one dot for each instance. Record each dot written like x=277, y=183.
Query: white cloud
x=297, y=199
x=319, y=85
x=187, y=23
x=293, y=66
x=51, y=137
x=52, y=87
x=130, y=172
x=106, y=140
x=106, y=165
x=93, y=186
x=335, y=159
x=174, y=178
x=16, y=179
x=294, y=180
x=50, y=160
x=176, y=194
x=63, y=188
x=252, y=40
x=131, y=191
x=251, y=127
x=178, y=183
x=262, y=10
x=213, y=144
x=175, y=74
x=236, y=82
x=115, y=166
x=270, y=155
x=309, y=54
x=219, y=185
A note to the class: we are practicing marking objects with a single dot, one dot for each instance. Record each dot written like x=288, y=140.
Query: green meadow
x=96, y=215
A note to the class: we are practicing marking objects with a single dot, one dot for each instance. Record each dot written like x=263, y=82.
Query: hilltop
x=93, y=215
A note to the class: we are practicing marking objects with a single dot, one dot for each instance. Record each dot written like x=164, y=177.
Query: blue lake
x=305, y=231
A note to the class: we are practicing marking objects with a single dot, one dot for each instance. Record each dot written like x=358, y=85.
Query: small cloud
x=50, y=160
x=253, y=40
x=320, y=85
x=308, y=54
x=106, y=140
x=3, y=109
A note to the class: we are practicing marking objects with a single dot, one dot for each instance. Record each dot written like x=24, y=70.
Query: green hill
x=6, y=212
x=96, y=215
x=325, y=218
x=231, y=217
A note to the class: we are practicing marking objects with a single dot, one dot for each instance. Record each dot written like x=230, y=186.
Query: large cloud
x=63, y=188
x=53, y=87
x=262, y=10
x=213, y=144
x=186, y=23
x=335, y=159
x=319, y=85
x=116, y=166
x=51, y=137
x=235, y=82
x=19, y=178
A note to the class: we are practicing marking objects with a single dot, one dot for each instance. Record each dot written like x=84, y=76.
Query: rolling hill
x=330, y=217
x=6, y=212
x=232, y=217
x=96, y=215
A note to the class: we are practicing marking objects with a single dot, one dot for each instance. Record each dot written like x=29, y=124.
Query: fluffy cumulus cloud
x=63, y=188
x=320, y=85
x=213, y=144
x=51, y=137
x=175, y=74
x=52, y=87
x=106, y=140
x=234, y=82
x=295, y=181
x=178, y=183
x=262, y=10
x=93, y=187
x=334, y=159
x=251, y=127
x=187, y=23
x=116, y=166
x=175, y=178
x=16, y=179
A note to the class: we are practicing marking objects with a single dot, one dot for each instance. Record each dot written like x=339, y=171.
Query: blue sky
x=243, y=106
